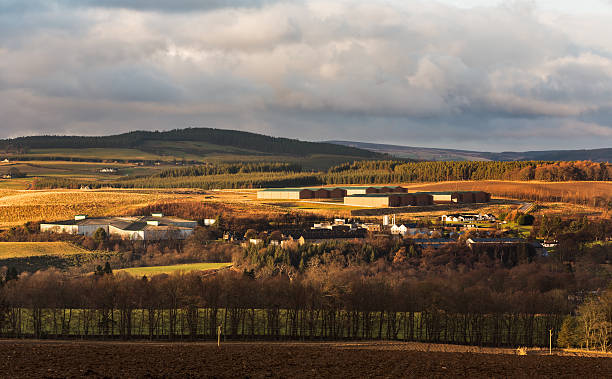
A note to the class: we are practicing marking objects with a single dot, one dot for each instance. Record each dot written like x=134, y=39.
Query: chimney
x=80, y=217
x=157, y=214
x=153, y=223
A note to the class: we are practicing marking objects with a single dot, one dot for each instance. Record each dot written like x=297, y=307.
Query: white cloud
x=416, y=72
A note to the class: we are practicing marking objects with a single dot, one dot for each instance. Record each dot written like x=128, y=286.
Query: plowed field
x=128, y=360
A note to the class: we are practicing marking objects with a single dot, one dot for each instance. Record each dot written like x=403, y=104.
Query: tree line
x=398, y=171
x=264, y=175
x=341, y=305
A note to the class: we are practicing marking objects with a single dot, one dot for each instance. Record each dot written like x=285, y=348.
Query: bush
x=525, y=220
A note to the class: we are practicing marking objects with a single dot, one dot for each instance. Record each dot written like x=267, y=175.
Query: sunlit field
x=141, y=271
x=35, y=249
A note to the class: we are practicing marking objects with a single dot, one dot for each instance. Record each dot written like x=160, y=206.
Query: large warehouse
x=302, y=193
x=375, y=195
x=373, y=190
x=460, y=197
x=383, y=200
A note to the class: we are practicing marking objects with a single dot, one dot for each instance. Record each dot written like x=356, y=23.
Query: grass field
x=141, y=271
x=94, y=153
x=36, y=249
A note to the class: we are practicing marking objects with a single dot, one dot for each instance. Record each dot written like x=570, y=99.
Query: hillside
x=435, y=154
x=192, y=144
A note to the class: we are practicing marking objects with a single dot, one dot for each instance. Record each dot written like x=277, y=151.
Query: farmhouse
x=402, y=229
x=467, y=217
x=147, y=228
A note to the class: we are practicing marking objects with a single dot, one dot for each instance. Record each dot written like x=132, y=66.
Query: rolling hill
x=192, y=144
x=435, y=154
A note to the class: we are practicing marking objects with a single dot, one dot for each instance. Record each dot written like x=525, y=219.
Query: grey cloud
x=19, y=6
x=418, y=72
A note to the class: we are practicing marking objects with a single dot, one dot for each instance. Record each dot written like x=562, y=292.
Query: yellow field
x=141, y=271
x=18, y=207
x=35, y=249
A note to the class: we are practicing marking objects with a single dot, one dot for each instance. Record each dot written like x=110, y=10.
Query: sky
x=474, y=74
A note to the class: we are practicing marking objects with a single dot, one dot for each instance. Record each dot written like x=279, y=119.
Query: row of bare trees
x=49, y=304
x=591, y=328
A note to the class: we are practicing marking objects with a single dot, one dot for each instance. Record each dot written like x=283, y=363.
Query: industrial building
x=460, y=197
x=375, y=196
x=147, y=228
x=384, y=200
x=302, y=193
x=373, y=190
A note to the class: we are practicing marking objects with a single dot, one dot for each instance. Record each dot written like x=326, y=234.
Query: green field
x=36, y=249
x=154, y=270
x=95, y=153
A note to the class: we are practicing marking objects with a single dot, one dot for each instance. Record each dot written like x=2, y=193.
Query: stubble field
x=18, y=207
x=295, y=360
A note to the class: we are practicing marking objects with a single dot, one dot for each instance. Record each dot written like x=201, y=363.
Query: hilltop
x=191, y=144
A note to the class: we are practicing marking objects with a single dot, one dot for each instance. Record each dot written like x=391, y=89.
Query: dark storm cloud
x=421, y=73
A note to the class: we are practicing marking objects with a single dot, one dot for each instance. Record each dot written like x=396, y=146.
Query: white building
x=147, y=228
x=209, y=221
x=402, y=229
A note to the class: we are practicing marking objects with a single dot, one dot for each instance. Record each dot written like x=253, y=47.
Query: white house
x=468, y=217
x=402, y=229
x=486, y=217
x=450, y=218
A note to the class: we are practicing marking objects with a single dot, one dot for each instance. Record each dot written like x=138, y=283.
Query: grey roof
x=283, y=189
x=433, y=240
x=130, y=223
x=498, y=240
x=379, y=194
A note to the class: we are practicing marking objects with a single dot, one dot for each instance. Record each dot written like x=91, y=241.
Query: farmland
x=18, y=207
x=296, y=360
x=36, y=249
x=155, y=270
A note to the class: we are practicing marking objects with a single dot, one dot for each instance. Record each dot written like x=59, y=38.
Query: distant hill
x=435, y=154
x=192, y=144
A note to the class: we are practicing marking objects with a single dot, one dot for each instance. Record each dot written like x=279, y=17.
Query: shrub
x=525, y=220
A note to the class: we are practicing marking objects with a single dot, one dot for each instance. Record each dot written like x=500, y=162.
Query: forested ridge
x=263, y=175
x=233, y=138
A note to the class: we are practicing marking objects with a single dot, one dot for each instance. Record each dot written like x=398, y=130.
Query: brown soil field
x=20, y=359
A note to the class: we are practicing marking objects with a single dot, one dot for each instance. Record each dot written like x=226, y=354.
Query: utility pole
x=550, y=341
